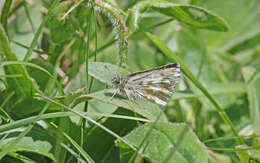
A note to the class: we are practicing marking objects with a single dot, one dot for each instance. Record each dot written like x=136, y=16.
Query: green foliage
x=165, y=143
x=57, y=59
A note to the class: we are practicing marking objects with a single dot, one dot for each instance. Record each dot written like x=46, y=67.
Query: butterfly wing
x=156, y=85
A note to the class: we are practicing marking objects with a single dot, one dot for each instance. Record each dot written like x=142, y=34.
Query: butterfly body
x=156, y=85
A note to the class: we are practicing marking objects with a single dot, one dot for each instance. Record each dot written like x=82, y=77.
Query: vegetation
x=57, y=59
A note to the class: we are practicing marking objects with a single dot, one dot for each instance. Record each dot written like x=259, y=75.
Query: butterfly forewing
x=156, y=85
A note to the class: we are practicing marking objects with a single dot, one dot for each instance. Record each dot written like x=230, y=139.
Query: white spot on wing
x=159, y=101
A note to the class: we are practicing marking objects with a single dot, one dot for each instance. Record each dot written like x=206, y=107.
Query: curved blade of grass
x=88, y=119
x=25, y=86
x=14, y=142
x=164, y=48
x=34, y=66
x=79, y=148
x=230, y=138
x=4, y=14
x=73, y=153
x=252, y=79
x=26, y=121
x=21, y=157
x=146, y=109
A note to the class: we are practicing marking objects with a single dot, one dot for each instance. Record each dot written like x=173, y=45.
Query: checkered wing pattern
x=156, y=85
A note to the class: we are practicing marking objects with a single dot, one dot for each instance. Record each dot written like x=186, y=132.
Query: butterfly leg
x=116, y=92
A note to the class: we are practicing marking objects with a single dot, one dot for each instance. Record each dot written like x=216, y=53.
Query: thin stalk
x=37, y=33
x=28, y=15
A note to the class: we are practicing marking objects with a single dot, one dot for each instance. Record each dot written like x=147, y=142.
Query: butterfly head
x=116, y=80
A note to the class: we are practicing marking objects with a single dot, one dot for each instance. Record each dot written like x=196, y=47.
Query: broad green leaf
x=34, y=73
x=247, y=43
x=24, y=86
x=241, y=15
x=248, y=155
x=30, y=145
x=188, y=14
x=166, y=142
x=27, y=107
x=252, y=78
x=145, y=109
x=62, y=28
x=104, y=71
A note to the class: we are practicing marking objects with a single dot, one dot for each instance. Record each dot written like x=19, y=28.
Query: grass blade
x=163, y=47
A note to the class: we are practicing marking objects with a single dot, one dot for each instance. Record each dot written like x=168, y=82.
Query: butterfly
x=155, y=85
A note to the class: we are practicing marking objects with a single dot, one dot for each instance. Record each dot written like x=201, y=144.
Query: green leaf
x=164, y=48
x=167, y=142
x=145, y=109
x=107, y=152
x=34, y=73
x=217, y=158
x=252, y=78
x=24, y=86
x=246, y=43
x=4, y=14
x=20, y=63
x=27, y=107
x=188, y=14
x=62, y=28
x=104, y=71
x=242, y=16
x=30, y=145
